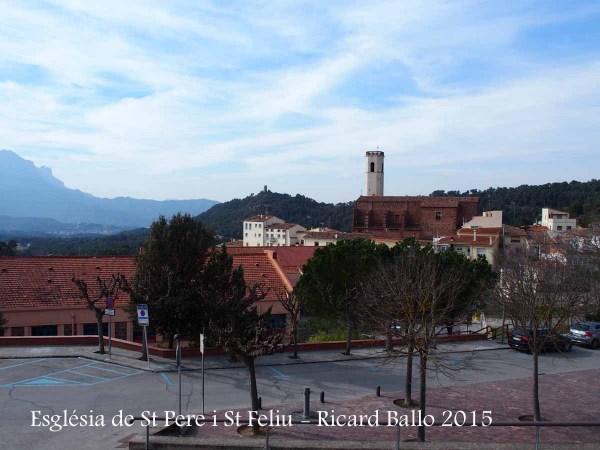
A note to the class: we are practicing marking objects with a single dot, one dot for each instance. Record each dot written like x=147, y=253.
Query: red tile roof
x=480, y=231
x=431, y=202
x=259, y=218
x=45, y=281
x=281, y=226
x=480, y=241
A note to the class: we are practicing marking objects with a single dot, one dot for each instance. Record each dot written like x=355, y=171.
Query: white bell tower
x=374, y=173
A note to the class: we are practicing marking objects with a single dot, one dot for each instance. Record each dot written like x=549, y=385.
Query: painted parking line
x=166, y=378
x=278, y=374
x=23, y=364
x=51, y=379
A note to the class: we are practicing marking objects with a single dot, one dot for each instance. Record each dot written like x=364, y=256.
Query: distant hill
x=226, y=218
x=580, y=199
x=35, y=226
x=123, y=243
x=33, y=192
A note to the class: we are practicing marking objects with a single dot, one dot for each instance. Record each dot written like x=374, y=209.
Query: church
x=400, y=217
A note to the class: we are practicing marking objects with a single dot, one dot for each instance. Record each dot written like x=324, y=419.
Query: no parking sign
x=142, y=315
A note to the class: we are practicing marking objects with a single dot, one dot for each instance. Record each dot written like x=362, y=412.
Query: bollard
x=322, y=397
x=378, y=391
x=307, y=403
x=267, y=439
x=259, y=402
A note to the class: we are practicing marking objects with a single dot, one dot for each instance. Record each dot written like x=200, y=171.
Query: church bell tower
x=374, y=174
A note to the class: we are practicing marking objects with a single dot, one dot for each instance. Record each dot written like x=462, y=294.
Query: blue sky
x=188, y=99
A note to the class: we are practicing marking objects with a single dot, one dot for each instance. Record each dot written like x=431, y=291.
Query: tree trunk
x=389, y=346
x=349, y=338
x=253, y=394
x=408, y=382
x=295, y=339
x=537, y=415
x=422, y=393
x=100, y=334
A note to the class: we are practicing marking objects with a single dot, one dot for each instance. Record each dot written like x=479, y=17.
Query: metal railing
x=398, y=442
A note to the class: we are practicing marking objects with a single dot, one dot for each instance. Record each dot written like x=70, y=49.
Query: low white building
x=264, y=230
x=283, y=234
x=556, y=220
x=489, y=219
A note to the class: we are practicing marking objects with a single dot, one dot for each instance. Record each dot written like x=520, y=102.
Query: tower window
x=438, y=215
x=372, y=167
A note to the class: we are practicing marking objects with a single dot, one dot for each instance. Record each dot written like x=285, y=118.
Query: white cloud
x=185, y=99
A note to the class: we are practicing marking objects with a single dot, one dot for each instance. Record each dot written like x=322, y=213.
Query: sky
x=190, y=99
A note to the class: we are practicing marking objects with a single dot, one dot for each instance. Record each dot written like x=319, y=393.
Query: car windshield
x=581, y=327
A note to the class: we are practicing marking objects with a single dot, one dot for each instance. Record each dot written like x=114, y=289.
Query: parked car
x=519, y=339
x=585, y=333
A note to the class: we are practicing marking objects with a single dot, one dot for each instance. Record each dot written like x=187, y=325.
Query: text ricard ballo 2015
x=73, y=419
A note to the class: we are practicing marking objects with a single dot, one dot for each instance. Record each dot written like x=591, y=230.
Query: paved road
x=55, y=384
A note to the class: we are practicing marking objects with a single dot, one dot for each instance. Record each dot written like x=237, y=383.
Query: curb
x=234, y=365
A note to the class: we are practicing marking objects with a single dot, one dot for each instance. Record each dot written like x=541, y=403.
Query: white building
x=282, y=234
x=489, y=219
x=264, y=230
x=254, y=229
x=556, y=220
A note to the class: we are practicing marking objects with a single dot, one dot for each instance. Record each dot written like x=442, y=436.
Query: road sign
x=202, y=344
x=109, y=312
x=142, y=315
x=110, y=303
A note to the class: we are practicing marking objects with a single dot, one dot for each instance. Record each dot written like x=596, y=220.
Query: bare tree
x=292, y=305
x=417, y=290
x=96, y=299
x=539, y=295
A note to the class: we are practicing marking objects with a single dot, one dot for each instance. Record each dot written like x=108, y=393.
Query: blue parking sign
x=142, y=315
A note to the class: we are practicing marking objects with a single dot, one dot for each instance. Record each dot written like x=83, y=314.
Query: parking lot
x=54, y=385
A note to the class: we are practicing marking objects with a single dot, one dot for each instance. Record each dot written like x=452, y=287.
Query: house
x=264, y=230
x=556, y=220
x=472, y=246
x=38, y=297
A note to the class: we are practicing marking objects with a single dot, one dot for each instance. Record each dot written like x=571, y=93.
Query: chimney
x=491, y=240
x=335, y=235
x=474, y=235
x=274, y=254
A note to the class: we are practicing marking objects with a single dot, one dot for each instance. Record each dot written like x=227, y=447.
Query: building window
x=17, y=331
x=568, y=227
x=276, y=321
x=69, y=329
x=91, y=329
x=44, y=330
x=559, y=228
x=372, y=167
x=316, y=243
x=481, y=252
x=246, y=234
x=438, y=215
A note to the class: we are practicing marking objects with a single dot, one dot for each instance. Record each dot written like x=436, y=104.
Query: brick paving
x=568, y=397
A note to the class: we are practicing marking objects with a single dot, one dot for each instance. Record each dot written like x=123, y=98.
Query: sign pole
x=202, y=351
x=109, y=337
x=146, y=344
x=144, y=320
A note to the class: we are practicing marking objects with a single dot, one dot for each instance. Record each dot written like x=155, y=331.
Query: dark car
x=549, y=341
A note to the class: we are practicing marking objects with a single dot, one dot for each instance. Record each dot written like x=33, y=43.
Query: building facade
x=556, y=220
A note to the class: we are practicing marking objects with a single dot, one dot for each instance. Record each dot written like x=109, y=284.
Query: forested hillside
x=580, y=199
x=226, y=218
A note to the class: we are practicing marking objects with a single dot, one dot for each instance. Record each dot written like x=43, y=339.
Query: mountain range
x=34, y=193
